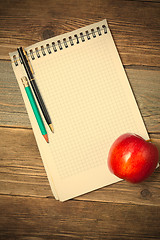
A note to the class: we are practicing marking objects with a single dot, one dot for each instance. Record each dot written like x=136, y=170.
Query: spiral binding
x=60, y=45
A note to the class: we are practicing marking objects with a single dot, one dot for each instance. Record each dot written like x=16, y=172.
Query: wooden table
x=120, y=211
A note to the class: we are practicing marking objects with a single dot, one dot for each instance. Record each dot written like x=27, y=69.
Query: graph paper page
x=90, y=102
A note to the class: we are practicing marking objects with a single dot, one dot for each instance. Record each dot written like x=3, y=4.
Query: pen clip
x=28, y=61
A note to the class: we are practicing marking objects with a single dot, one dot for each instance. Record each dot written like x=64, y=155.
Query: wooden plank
x=12, y=107
x=145, y=84
x=37, y=218
x=22, y=173
x=135, y=26
x=146, y=87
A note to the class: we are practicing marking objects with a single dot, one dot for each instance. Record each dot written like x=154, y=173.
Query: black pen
x=29, y=71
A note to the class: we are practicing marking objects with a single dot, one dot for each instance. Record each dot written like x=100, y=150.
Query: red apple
x=132, y=158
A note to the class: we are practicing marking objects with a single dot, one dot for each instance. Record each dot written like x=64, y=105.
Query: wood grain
x=134, y=24
x=23, y=219
x=22, y=173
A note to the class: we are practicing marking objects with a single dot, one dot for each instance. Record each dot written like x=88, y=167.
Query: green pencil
x=34, y=107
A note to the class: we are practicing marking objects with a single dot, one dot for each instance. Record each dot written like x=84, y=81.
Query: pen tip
x=51, y=127
x=46, y=138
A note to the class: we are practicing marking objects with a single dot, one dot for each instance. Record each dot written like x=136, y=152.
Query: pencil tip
x=46, y=138
x=51, y=127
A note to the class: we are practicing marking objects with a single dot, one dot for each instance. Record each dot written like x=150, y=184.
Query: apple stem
x=149, y=140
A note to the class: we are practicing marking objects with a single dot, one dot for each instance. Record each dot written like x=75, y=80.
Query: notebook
x=89, y=99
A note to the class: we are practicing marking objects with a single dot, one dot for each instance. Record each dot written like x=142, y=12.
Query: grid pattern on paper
x=86, y=102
